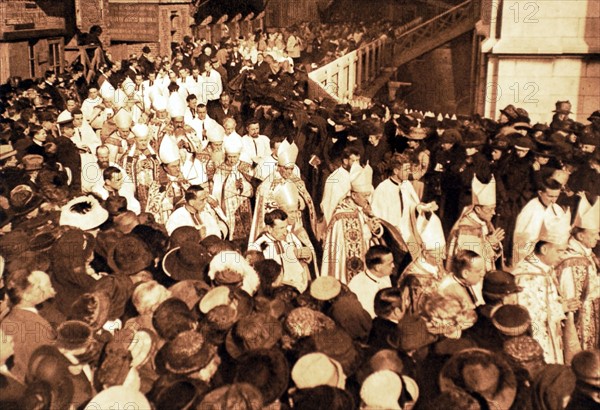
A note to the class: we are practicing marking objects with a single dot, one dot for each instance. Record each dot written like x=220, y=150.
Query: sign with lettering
x=134, y=22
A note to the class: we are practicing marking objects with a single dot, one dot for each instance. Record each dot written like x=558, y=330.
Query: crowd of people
x=172, y=240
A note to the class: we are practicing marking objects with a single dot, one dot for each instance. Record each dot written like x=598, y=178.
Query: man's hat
x=523, y=143
x=417, y=133
x=430, y=231
x=176, y=105
x=595, y=116
x=123, y=119
x=233, y=144
x=523, y=349
x=499, y=282
x=451, y=136
x=168, y=151
x=318, y=369
x=563, y=107
x=510, y=111
x=32, y=162
x=544, y=149
x=500, y=143
x=7, y=150
x=140, y=130
x=172, y=317
x=74, y=335
x=23, y=200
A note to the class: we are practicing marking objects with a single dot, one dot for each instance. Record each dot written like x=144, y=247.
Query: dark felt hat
x=23, y=200
x=451, y=136
x=511, y=320
x=74, y=334
x=176, y=394
x=510, y=111
x=586, y=366
x=239, y=396
x=498, y=282
x=129, y=255
x=267, y=370
x=256, y=331
x=323, y=397
x=188, y=352
x=337, y=344
x=172, y=317
x=92, y=308
x=49, y=382
x=184, y=234
x=119, y=289
x=411, y=334
x=189, y=261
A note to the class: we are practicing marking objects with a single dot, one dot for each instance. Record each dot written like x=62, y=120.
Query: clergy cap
x=483, y=194
x=588, y=216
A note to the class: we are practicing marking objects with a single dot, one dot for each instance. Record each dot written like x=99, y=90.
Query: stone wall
x=540, y=52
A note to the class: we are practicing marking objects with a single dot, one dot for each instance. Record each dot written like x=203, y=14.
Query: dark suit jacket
x=218, y=114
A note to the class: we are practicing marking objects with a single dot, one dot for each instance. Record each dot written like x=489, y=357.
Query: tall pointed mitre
x=361, y=178
x=159, y=102
x=431, y=232
x=123, y=119
x=215, y=133
x=287, y=153
x=286, y=196
x=588, y=216
x=233, y=144
x=483, y=194
x=556, y=228
x=140, y=130
x=168, y=151
x=107, y=91
x=176, y=105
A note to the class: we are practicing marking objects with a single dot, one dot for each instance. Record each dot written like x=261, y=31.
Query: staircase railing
x=340, y=78
x=353, y=72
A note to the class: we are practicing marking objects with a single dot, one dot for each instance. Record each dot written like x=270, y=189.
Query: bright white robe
x=211, y=219
x=337, y=186
x=528, y=226
x=540, y=297
x=386, y=205
x=132, y=203
x=295, y=272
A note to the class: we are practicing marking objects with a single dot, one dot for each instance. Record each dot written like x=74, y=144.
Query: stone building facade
x=538, y=53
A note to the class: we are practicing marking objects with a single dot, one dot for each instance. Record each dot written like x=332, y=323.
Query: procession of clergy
x=230, y=186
